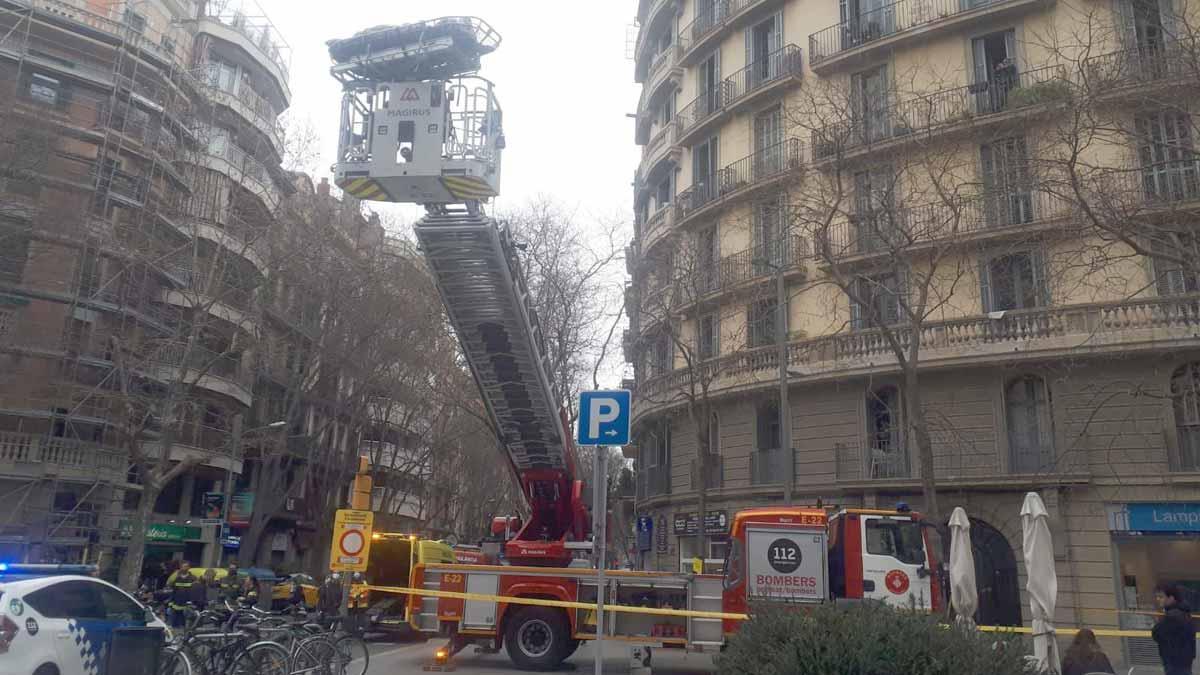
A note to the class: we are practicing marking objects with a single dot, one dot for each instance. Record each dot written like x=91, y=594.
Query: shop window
x=1185, y=395
x=1030, y=437
x=1014, y=281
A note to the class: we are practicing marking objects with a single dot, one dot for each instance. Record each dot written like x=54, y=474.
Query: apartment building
x=867, y=229
x=148, y=254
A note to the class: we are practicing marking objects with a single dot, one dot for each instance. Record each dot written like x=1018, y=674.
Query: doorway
x=995, y=577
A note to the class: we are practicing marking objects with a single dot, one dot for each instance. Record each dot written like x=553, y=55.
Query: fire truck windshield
x=900, y=539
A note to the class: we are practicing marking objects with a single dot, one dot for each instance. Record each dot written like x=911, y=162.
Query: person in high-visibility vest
x=181, y=593
x=231, y=585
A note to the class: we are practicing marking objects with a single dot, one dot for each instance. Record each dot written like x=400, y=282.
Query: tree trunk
x=918, y=436
x=130, y=573
x=702, y=469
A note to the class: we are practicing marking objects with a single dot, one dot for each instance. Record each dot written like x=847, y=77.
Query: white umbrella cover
x=1043, y=580
x=964, y=596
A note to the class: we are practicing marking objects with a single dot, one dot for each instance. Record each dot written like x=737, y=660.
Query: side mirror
x=148, y=616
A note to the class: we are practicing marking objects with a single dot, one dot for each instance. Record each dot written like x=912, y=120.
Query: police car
x=56, y=621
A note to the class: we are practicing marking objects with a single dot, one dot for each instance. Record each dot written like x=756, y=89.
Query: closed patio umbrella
x=1042, y=585
x=964, y=595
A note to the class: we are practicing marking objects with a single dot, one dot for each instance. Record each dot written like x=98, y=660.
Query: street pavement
x=403, y=658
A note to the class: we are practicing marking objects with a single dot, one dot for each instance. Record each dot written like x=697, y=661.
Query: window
x=866, y=20
x=660, y=356
x=118, y=606
x=1185, y=396
x=135, y=21
x=704, y=173
x=869, y=105
x=1014, y=281
x=45, y=89
x=1144, y=23
x=68, y=600
x=1027, y=411
x=708, y=83
x=902, y=540
x=761, y=323
x=14, y=255
x=714, y=435
x=708, y=256
x=770, y=248
x=168, y=44
x=876, y=301
x=663, y=193
x=222, y=75
x=1171, y=276
x=875, y=218
x=886, y=456
x=1006, y=183
x=1167, y=156
x=995, y=57
x=707, y=332
x=768, y=143
x=766, y=419
x=763, y=41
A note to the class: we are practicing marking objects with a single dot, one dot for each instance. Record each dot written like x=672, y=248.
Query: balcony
x=236, y=239
x=888, y=231
x=971, y=106
x=761, y=169
x=656, y=228
x=254, y=35
x=756, y=81
x=250, y=173
x=199, y=366
x=250, y=106
x=1079, y=331
x=216, y=297
x=868, y=35
x=37, y=455
x=660, y=147
x=1140, y=67
x=648, y=17
x=879, y=462
x=752, y=264
x=664, y=73
x=714, y=471
x=707, y=27
x=120, y=29
x=769, y=467
x=653, y=482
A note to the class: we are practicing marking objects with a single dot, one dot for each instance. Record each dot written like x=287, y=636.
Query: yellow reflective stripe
x=1100, y=632
x=558, y=603
x=467, y=187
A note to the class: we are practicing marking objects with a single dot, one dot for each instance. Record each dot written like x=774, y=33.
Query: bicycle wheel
x=314, y=655
x=353, y=655
x=175, y=661
x=261, y=658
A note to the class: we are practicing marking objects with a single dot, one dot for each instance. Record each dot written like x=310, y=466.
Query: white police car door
x=85, y=613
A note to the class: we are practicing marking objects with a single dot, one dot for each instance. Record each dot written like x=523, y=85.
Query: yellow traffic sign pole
x=351, y=543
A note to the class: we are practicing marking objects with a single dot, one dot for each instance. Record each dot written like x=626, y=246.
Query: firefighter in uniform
x=358, y=604
x=181, y=593
x=231, y=585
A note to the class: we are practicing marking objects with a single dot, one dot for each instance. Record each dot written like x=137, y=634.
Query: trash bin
x=136, y=650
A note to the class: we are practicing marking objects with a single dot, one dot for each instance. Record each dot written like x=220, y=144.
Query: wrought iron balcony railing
x=765, y=165
x=768, y=467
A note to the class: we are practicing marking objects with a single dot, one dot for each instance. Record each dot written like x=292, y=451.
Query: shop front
x=712, y=547
x=1153, y=542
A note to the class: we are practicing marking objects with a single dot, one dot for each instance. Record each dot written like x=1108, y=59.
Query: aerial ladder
x=419, y=125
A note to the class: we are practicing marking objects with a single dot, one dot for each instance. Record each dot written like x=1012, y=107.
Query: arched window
x=1030, y=437
x=886, y=453
x=1185, y=394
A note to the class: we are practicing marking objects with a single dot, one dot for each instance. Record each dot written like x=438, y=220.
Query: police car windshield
x=900, y=539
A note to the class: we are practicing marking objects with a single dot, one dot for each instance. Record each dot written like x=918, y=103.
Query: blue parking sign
x=604, y=417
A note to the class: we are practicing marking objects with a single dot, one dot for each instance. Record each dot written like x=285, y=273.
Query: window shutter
x=985, y=285
x=750, y=78
x=1041, y=281
x=1010, y=45
x=777, y=43
x=980, y=56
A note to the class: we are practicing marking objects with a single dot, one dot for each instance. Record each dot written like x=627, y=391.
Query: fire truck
x=420, y=126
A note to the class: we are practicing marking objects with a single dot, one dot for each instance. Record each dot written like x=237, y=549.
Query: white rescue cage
x=417, y=125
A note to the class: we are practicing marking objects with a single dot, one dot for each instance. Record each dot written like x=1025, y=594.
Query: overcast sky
x=561, y=76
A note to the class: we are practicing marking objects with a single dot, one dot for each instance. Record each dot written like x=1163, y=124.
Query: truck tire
x=537, y=638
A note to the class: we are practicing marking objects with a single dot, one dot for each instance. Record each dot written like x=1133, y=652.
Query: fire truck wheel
x=537, y=638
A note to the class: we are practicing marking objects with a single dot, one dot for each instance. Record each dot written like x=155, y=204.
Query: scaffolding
x=118, y=104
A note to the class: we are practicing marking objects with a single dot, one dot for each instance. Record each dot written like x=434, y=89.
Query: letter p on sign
x=604, y=418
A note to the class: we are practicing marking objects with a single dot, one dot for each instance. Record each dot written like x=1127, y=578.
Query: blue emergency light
x=13, y=571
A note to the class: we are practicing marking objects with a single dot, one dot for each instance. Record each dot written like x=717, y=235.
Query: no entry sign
x=351, y=540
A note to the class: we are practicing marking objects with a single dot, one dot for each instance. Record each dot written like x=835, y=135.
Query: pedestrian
x=1175, y=632
x=231, y=585
x=1085, y=656
x=180, y=588
x=249, y=594
x=329, y=597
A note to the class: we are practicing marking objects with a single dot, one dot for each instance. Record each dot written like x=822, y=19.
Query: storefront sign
x=169, y=532
x=1163, y=517
x=645, y=533
x=715, y=522
x=240, y=508
x=214, y=504
x=660, y=535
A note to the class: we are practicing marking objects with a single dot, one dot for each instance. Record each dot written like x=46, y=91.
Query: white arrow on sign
x=610, y=432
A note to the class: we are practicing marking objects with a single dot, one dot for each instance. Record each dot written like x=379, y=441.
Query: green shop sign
x=163, y=532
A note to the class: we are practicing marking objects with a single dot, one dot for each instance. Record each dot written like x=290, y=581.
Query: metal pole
x=785, y=411
x=227, y=504
x=599, y=508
